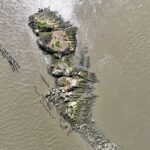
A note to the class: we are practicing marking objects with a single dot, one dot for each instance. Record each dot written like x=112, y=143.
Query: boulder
x=67, y=83
x=61, y=69
x=54, y=43
x=63, y=35
x=71, y=109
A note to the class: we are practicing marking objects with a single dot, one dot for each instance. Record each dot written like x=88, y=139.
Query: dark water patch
x=11, y=61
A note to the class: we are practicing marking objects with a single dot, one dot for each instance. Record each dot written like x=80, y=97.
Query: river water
x=117, y=34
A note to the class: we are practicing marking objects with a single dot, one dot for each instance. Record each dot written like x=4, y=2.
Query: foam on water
x=64, y=7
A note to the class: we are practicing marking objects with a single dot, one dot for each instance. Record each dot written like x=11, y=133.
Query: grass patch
x=43, y=26
x=56, y=43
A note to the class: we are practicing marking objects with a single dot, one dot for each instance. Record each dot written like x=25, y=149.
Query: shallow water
x=117, y=34
x=24, y=123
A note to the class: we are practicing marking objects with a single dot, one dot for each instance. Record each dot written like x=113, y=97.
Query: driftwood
x=12, y=62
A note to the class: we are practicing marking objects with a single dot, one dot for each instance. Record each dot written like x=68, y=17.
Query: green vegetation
x=45, y=34
x=57, y=43
x=42, y=26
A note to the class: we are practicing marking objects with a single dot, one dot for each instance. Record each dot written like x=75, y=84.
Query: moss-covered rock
x=63, y=34
x=54, y=44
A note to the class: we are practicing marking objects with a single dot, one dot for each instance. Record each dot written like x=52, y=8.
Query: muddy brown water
x=117, y=34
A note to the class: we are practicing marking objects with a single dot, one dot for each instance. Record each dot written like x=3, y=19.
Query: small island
x=73, y=92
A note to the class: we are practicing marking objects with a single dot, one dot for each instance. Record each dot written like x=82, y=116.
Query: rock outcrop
x=61, y=68
x=55, y=36
x=73, y=95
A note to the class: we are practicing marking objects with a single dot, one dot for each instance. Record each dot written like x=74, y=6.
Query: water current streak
x=12, y=62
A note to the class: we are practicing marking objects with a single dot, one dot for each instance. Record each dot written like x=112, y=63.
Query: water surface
x=24, y=123
x=117, y=33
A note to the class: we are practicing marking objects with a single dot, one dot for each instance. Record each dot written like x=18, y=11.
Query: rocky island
x=73, y=92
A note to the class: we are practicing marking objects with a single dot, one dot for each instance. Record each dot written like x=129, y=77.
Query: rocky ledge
x=73, y=95
x=55, y=36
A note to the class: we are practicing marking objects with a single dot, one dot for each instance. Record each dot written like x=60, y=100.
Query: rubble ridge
x=73, y=95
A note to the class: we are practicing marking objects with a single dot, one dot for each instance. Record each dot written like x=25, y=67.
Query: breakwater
x=73, y=92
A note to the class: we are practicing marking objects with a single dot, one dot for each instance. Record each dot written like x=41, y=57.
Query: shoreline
x=73, y=93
